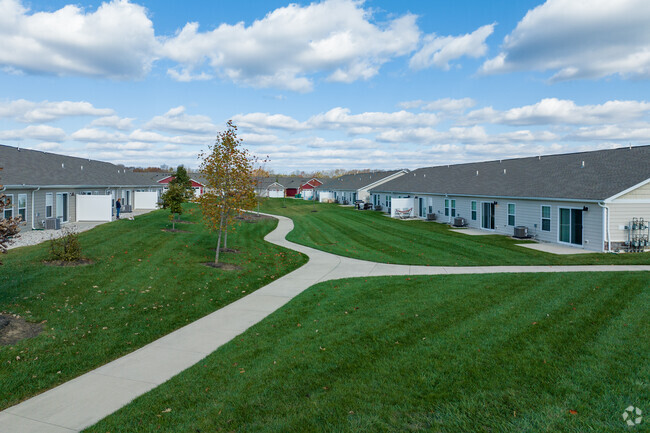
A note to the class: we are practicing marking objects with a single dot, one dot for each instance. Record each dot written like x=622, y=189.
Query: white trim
x=493, y=216
x=10, y=208
x=638, y=185
x=541, y=218
x=559, y=220
x=633, y=200
x=508, y=215
x=473, y=210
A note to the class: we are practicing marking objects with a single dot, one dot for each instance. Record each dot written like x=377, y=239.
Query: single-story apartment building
x=352, y=187
x=196, y=179
x=285, y=186
x=45, y=186
x=588, y=200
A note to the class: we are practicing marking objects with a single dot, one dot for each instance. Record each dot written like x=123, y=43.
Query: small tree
x=182, y=179
x=227, y=168
x=173, y=199
x=8, y=226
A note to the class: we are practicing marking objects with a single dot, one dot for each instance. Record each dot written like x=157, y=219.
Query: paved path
x=87, y=399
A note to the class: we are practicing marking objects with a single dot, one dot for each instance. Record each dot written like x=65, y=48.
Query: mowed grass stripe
x=370, y=235
x=144, y=284
x=438, y=353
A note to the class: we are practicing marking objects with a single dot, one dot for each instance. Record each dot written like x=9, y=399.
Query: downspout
x=606, y=221
x=33, y=191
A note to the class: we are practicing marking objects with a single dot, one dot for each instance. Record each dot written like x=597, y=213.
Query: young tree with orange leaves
x=8, y=226
x=228, y=171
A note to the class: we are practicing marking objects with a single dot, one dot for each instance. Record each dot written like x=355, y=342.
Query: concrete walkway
x=83, y=401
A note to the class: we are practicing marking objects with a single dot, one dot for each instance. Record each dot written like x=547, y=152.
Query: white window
x=22, y=206
x=9, y=210
x=49, y=203
x=453, y=208
x=546, y=218
x=446, y=207
x=474, y=211
x=511, y=214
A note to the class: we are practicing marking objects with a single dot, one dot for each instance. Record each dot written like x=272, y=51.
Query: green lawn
x=144, y=284
x=471, y=353
x=370, y=235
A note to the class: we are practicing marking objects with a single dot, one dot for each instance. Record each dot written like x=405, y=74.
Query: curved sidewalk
x=85, y=400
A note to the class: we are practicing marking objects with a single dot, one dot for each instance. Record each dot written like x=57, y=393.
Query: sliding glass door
x=571, y=226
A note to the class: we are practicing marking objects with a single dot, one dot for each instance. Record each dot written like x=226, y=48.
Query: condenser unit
x=52, y=224
x=521, y=232
x=460, y=222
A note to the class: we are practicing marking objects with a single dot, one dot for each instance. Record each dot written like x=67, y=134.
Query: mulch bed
x=176, y=231
x=66, y=263
x=14, y=328
x=186, y=222
x=223, y=266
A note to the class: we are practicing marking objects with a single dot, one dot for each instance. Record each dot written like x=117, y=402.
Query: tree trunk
x=174, y=222
x=216, y=256
x=225, y=239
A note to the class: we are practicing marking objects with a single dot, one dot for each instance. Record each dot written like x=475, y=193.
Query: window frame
x=550, y=210
x=474, y=210
x=49, y=213
x=446, y=207
x=512, y=215
x=10, y=208
x=23, y=214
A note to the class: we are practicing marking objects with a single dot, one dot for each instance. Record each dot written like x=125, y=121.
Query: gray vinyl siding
x=527, y=213
x=40, y=201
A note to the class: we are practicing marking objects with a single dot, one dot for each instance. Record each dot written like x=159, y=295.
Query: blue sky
x=330, y=84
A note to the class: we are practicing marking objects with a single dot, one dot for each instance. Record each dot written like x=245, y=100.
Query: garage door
x=274, y=193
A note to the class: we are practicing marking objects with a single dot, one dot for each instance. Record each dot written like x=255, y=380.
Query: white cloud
x=462, y=135
x=291, y=44
x=176, y=120
x=612, y=133
x=438, y=51
x=92, y=135
x=115, y=122
x=447, y=105
x=37, y=132
x=263, y=121
x=46, y=111
x=117, y=40
x=579, y=39
x=337, y=118
x=562, y=111
x=340, y=118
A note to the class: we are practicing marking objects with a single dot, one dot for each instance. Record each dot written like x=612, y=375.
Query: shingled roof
x=353, y=182
x=24, y=167
x=595, y=175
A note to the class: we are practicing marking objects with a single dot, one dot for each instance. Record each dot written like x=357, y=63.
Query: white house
x=352, y=187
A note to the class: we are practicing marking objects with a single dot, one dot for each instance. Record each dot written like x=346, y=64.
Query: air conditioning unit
x=431, y=217
x=460, y=222
x=521, y=232
x=53, y=224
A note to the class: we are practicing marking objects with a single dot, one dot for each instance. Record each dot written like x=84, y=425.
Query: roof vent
x=62, y=165
x=424, y=175
x=477, y=172
x=504, y=171
x=539, y=157
x=82, y=168
x=583, y=164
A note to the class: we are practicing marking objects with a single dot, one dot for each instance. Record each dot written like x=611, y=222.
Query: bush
x=66, y=248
